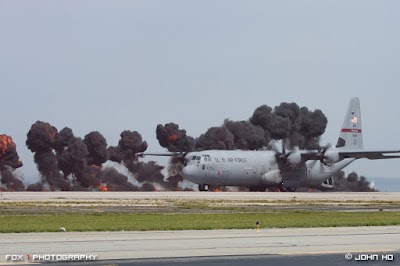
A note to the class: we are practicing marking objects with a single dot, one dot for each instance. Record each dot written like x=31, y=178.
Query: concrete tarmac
x=181, y=244
x=150, y=245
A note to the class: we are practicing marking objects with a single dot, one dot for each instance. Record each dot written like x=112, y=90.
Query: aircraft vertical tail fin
x=351, y=132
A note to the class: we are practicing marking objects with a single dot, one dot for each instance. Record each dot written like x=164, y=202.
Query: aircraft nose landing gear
x=204, y=187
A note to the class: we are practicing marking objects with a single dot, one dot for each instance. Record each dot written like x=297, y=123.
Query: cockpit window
x=207, y=158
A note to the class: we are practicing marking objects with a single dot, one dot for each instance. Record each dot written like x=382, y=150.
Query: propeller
x=321, y=153
x=181, y=157
x=292, y=157
x=326, y=156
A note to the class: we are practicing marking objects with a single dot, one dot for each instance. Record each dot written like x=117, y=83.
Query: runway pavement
x=185, y=195
x=134, y=248
x=181, y=244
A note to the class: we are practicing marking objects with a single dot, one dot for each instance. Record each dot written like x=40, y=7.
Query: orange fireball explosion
x=7, y=145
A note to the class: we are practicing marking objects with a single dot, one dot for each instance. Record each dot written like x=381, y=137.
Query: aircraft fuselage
x=254, y=169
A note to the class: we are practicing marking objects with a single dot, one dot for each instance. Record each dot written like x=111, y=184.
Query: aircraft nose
x=188, y=171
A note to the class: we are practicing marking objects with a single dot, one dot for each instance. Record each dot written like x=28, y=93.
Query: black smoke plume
x=42, y=139
x=116, y=181
x=67, y=162
x=246, y=136
x=275, y=126
x=97, y=148
x=301, y=127
x=173, y=138
x=216, y=138
x=352, y=182
x=129, y=145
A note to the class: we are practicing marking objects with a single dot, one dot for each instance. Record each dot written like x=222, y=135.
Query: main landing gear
x=256, y=189
x=281, y=189
x=204, y=187
x=286, y=189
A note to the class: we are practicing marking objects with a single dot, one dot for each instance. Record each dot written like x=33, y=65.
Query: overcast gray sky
x=116, y=65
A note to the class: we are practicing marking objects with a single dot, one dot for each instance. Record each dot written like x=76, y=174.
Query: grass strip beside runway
x=51, y=222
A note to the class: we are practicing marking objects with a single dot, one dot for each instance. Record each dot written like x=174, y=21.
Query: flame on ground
x=103, y=187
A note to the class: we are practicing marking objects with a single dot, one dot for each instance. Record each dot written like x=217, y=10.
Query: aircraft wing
x=357, y=154
x=372, y=155
x=169, y=154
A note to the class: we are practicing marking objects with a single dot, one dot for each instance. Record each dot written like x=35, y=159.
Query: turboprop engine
x=273, y=177
x=331, y=157
x=294, y=158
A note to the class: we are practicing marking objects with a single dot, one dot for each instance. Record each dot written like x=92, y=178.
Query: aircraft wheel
x=262, y=189
x=253, y=189
x=290, y=189
x=282, y=189
x=203, y=187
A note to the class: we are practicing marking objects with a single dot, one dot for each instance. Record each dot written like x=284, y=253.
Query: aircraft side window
x=198, y=157
x=204, y=167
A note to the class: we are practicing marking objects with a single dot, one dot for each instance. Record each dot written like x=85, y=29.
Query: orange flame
x=103, y=187
x=217, y=189
x=50, y=131
x=96, y=167
x=172, y=137
x=6, y=143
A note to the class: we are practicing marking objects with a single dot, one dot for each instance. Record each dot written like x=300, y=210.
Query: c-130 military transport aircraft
x=285, y=170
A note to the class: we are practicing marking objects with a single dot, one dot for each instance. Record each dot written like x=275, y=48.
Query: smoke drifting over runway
x=352, y=182
x=146, y=173
x=67, y=162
